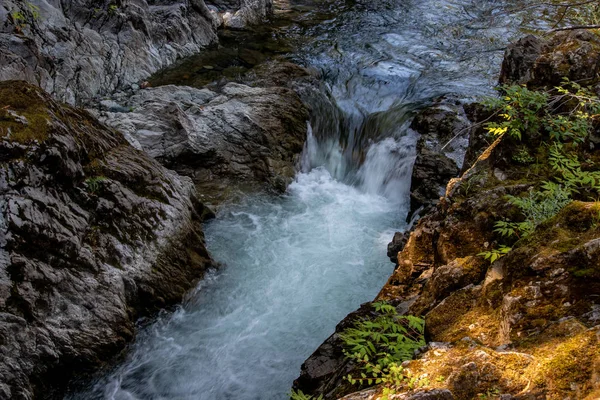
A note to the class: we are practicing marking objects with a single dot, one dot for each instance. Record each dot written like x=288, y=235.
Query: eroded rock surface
x=93, y=234
x=229, y=133
x=441, y=149
x=239, y=134
x=80, y=49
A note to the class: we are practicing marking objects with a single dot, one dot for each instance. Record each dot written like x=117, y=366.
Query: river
x=294, y=265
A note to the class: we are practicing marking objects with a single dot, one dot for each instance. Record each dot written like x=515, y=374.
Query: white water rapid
x=293, y=266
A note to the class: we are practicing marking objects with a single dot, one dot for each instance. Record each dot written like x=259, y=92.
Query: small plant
x=565, y=115
x=489, y=394
x=94, y=184
x=522, y=156
x=492, y=256
x=112, y=9
x=18, y=17
x=572, y=176
x=298, y=395
x=520, y=109
x=380, y=345
x=537, y=207
x=22, y=18
x=472, y=182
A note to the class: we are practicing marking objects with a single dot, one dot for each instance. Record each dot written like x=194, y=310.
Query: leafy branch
x=378, y=346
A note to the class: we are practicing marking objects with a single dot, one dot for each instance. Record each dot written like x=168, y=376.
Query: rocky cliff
x=524, y=326
x=93, y=234
x=77, y=50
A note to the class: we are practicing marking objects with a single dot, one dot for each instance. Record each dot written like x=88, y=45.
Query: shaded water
x=294, y=265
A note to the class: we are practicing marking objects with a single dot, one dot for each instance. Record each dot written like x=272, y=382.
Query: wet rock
x=80, y=49
x=441, y=148
x=93, y=234
x=236, y=134
x=324, y=370
x=397, y=245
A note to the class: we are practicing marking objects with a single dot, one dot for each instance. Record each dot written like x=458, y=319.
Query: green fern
x=379, y=345
x=298, y=395
x=572, y=176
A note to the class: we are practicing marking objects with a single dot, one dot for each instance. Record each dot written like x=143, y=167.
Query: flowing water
x=296, y=264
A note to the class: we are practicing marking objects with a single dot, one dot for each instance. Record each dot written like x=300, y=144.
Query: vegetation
x=94, y=184
x=22, y=18
x=554, y=124
x=298, y=395
x=563, y=14
x=379, y=346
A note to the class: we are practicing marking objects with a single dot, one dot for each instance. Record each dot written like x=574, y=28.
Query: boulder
x=93, y=235
x=441, y=149
x=233, y=135
x=546, y=62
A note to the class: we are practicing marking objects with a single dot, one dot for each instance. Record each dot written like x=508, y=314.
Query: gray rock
x=80, y=49
x=93, y=234
x=239, y=134
x=573, y=54
x=112, y=106
x=441, y=149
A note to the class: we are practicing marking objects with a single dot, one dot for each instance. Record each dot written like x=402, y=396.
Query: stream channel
x=295, y=264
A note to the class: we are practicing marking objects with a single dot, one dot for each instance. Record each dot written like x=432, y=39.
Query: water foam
x=293, y=267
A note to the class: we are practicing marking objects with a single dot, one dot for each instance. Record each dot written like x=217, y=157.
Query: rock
x=240, y=13
x=82, y=49
x=520, y=59
x=441, y=149
x=112, y=106
x=236, y=135
x=545, y=62
x=397, y=245
x=324, y=370
x=93, y=234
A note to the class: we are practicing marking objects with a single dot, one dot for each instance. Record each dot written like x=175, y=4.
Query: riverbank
x=518, y=323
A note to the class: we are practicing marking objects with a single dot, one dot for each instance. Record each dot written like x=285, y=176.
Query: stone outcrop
x=546, y=62
x=444, y=130
x=93, y=234
x=234, y=134
x=81, y=49
x=236, y=14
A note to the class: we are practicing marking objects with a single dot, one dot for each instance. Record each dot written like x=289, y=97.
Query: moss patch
x=23, y=113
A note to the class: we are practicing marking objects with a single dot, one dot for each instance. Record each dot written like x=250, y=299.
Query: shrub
x=378, y=346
